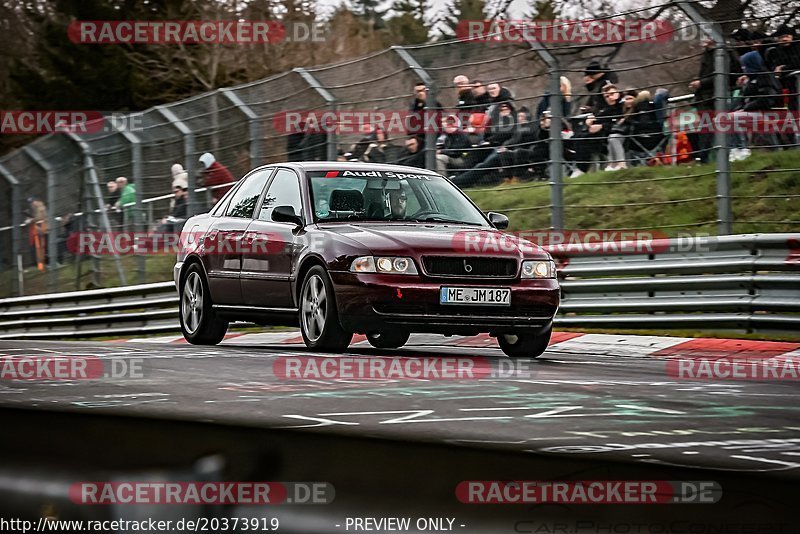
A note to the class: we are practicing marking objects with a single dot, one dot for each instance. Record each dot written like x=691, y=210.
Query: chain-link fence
x=540, y=166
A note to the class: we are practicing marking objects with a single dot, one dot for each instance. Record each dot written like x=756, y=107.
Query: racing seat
x=346, y=200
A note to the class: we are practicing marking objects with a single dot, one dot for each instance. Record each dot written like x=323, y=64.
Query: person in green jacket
x=127, y=199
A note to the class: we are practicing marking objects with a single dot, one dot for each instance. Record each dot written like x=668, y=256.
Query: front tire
x=388, y=340
x=319, y=317
x=199, y=323
x=524, y=345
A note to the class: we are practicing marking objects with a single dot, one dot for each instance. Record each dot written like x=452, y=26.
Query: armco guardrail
x=742, y=283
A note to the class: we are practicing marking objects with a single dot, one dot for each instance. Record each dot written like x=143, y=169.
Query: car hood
x=445, y=239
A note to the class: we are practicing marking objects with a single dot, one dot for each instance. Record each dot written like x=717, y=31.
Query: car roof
x=350, y=166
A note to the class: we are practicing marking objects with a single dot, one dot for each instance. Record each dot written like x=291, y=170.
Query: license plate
x=483, y=296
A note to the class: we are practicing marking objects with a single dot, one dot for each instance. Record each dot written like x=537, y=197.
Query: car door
x=223, y=244
x=270, y=246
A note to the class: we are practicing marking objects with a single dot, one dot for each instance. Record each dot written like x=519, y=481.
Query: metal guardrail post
x=721, y=95
x=430, y=136
x=796, y=75
x=330, y=100
x=556, y=145
x=253, y=125
x=16, y=222
x=52, y=232
x=94, y=183
x=188, y=151
x=136, y=179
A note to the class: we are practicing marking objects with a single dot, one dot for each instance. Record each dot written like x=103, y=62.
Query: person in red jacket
x=215, y=173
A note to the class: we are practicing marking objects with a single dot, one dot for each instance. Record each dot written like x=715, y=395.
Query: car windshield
x=390, y=196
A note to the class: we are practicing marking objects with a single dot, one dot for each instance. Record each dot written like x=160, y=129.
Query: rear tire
x=319, y=316
x=524, y=345
x=199, y=323
x=388, y=340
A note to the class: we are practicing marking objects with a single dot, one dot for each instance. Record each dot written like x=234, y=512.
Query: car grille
x=467, y=267
x=432, y=310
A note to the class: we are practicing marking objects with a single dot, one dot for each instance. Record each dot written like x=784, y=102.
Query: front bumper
x=370, y=301
x=176, y=275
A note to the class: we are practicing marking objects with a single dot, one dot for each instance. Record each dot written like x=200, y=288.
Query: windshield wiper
x=445, y=220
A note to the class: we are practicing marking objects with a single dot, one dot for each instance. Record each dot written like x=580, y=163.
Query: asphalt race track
x=583, y=403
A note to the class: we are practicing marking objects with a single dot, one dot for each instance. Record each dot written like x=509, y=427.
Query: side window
x=283, y=191
x=243, y=202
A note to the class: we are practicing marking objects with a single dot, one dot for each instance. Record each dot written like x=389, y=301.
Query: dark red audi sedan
x=344, y=248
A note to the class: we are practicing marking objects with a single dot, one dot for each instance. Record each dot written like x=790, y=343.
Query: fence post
x=93, y=183
x=189, y=159
x=330, y=100
x=254, y=127
x=52, y=232
x=430, y=134
x=721, y=95
x=556, y=143
x=16, y=222
x=136, y=179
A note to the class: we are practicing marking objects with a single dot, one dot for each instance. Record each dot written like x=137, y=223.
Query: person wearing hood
x=502, y=124
x=783, y=59
x=760, y=86
x=214, y=174
x=595, y=77
x=452, y=146
x=180, y=180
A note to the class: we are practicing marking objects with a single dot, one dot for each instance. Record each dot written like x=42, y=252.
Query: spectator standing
x=480, y=96
x=464, y=94
x=783, y=59
x=215, y=173
x=703, y=88
x=566, y=100
x=127, y=200
x=591, y=138
x=618, y=133
x=37, y=231
x=418, y=109
x=112, y=195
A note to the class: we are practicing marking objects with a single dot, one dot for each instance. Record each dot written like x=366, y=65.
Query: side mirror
x=498, y=220
x=286, y=214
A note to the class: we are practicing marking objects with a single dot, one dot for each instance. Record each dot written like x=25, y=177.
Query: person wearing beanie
x=215, y=173
x=595, y=77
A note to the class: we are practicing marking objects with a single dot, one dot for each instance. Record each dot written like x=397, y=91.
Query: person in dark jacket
x=413, y=155
x=566, y=100
x=501, y=162
x=481, y=97
x=590, y=140
x=452, y=146
x=501, y=124
x=761, y=88
x=418, y=109
x=466, y=100
x=595, y=78
x=783, y=59
x=703, y=88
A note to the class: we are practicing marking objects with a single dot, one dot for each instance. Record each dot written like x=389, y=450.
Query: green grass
x=675, y=200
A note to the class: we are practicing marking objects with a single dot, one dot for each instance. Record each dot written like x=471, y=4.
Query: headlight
x=538, y=269
x=369, y=264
